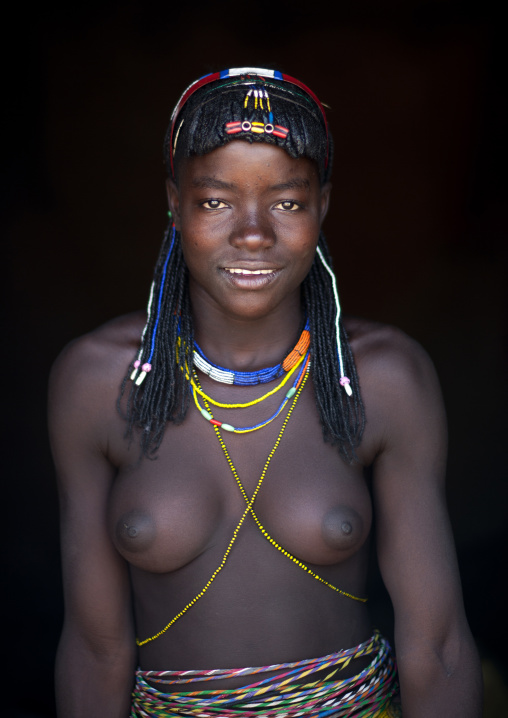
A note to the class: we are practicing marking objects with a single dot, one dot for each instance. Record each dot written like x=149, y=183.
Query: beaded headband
x=247, y=74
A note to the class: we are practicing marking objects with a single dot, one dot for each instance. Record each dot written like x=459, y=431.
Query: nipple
x=135, y=531
x=342, y=527
x=346, y=527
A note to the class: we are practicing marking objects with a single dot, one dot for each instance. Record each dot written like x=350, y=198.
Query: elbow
x=101, y=649
x=444, y=675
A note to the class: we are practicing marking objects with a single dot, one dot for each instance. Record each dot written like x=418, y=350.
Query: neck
x=249, y=344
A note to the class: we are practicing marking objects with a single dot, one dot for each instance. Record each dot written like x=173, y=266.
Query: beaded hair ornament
x=256, y=79
x=258, y=119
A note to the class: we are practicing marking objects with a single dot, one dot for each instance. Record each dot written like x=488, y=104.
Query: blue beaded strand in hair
x=146, y=366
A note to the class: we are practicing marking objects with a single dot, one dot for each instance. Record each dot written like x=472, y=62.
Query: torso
x=172, y=519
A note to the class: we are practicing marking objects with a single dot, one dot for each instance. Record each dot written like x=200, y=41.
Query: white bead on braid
x=140, y=353
x=146, y=367
x=344, y=381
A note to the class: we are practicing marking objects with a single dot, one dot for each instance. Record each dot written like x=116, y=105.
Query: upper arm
x=438, y=664
x=96, y=584
x=413, y=535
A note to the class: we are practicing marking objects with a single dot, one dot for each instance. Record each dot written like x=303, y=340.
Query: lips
x=249, y=272
x=250, y=278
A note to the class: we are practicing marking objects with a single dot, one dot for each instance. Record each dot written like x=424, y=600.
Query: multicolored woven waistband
x=298, y=689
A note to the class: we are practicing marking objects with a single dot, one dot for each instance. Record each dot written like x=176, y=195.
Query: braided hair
x=200, y=124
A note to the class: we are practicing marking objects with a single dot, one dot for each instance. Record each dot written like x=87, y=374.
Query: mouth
x=251, y=279
x=248, y=272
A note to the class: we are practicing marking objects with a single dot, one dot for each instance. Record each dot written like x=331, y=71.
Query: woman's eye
x=214, y=204
x=288, y=205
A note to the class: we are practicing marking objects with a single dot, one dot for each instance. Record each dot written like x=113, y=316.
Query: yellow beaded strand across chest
x=249, y=510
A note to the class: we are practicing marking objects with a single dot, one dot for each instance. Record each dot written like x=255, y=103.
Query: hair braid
x=342, y=417
x=165, y=395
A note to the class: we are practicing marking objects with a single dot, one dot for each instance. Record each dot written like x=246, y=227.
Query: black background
x=418, y=109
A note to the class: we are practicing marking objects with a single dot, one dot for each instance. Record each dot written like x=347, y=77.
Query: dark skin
x=167, y=522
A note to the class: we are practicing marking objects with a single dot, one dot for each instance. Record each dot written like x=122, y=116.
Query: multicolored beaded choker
x=195, y=383
x=196, y=389
x=250, y=378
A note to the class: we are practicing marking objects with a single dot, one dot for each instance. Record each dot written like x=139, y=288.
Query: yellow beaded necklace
x=246, y=429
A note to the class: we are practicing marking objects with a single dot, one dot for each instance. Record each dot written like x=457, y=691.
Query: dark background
x=417, y=92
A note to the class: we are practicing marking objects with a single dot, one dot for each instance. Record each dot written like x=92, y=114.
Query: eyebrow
x=210, y=183
x=206, y=182
x=295, y=183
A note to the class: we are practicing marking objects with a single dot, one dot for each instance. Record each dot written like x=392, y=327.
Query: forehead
x=240, y=161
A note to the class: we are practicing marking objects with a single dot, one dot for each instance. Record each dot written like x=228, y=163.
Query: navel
x=342, y=527
x=135, y=531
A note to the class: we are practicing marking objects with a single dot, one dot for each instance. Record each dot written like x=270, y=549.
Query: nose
x=253, y=231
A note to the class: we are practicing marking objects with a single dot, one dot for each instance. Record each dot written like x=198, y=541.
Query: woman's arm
x=96, y=655
x=438, y=664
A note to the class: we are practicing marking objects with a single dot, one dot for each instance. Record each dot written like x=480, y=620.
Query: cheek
x=304, y=248
x=191, y=250
x=198, y=235
x=301, y=264
x=193, y=257
x=307, y=255
x=199, y=256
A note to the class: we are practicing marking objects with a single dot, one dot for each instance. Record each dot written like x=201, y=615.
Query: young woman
x=218, y=505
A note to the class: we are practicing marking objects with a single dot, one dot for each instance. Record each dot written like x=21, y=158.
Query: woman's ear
x=174, y=202
x=325, y=199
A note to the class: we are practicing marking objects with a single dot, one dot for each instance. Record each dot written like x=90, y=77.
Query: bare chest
x=165, y=513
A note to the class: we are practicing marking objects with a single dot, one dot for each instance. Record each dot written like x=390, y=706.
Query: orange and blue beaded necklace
x=298, y=357
x=195, y=384
x=196, y=390
x=251, y=378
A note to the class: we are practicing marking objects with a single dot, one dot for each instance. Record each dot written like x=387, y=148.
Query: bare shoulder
x=86, y=377
x=398, y=381
x=102, y=352
x=388, y=357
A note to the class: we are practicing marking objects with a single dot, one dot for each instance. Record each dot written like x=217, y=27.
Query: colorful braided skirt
x=311, y=688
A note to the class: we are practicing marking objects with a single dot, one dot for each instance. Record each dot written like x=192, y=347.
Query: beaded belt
x=294, y=691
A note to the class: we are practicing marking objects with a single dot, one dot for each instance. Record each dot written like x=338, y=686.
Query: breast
x=161, y=519
x=323, y=529
x=166, y=513
x=320, y=511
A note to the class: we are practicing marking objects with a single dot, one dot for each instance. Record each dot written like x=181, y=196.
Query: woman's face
x=249, y=217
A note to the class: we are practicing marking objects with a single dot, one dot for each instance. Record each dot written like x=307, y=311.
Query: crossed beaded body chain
x=298, y=388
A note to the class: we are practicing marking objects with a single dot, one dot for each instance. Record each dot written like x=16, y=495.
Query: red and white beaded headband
x=238, y=72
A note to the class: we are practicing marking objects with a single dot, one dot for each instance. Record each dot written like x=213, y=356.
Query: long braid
x=342, y=416
x=164, y=395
